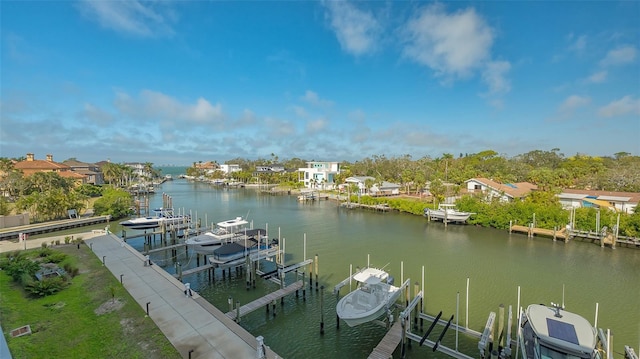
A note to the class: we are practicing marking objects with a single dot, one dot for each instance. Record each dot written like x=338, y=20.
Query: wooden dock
x=195, y=270
x=266, y=300
x=608, y=239
x=52, y=226
x=388, y=344
x=533, y=231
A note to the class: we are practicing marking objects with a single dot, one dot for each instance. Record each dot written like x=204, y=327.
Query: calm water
x=495, y=262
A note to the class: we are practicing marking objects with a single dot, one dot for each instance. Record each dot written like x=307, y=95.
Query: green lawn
x=83, y=320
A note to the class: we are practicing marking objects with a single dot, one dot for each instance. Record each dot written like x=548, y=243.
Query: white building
x=377, y=189
x=230, y=168
x=619, y=201
x=319, y=174
x=506, y=192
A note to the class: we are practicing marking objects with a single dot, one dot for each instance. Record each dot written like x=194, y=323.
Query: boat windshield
x=550, y=353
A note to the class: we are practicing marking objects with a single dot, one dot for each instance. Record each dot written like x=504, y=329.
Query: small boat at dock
x=223, y=232
x=447, y=213
x=236, y=252
x=372, y=298
x=552, y=332
x=163, y=216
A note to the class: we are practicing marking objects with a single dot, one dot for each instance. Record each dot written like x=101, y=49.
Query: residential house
x=506, y=192
x=230, y=168
x=206, y=167
x=32, y=165
x=377, y=189
x=625, y=202
x=90, y=170
x=319, y=174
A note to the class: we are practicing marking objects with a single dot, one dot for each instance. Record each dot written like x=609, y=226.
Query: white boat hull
x=370, y=301
x=447, y=215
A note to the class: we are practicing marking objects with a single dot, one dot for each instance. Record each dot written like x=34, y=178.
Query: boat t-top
x=552, y=332
x=374, y=295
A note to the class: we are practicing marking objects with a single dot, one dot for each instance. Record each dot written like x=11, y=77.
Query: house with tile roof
x=506, y=192
x=31, y=165
x=625, y=202
x=91, y=171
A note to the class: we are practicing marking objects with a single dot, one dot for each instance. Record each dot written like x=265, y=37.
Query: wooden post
x=316, y=263
x=321, y=309
x=237, y=311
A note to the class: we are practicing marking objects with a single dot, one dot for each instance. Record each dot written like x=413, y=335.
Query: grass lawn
x=94, y=317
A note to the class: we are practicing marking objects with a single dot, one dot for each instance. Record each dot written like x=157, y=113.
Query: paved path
x=190, y=323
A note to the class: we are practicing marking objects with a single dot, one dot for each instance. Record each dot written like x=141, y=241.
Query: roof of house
x=359, y=178
x=76, y=163
x=40, y=165
x=388, y=185
x=613, y=196
x=514, y=190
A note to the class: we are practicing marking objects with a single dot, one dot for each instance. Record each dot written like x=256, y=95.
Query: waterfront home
x=506, y=192
x=319, y=174
x=377, y=189
x=230, y=168
x=90, y=170
x=32, y=165
x=625, y=202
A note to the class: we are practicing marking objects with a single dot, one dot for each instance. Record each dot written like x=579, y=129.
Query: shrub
x=44, y=252
x=70, y=269
x=67, y=240
x=46, y=286
x=44, y=245
x=21, y=267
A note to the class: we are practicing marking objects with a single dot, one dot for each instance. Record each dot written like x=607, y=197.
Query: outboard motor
x=390, y=280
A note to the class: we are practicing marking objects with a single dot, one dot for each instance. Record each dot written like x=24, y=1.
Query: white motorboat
x=447, y=213
x=223, y=232
x=252, y=242
x=372, y=298
x=163, y=216
x=552, y=332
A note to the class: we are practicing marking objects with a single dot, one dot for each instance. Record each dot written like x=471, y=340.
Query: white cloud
x=624, y=106
x=139, y=18
x=620, y=56
x=572, y=103
x=578, y=44
x=313, y=98
x=279, y=129
x=316, y=125
x=95, y=114
x=598, y=77
x=494, y=76
x=358, y=31
x=156, y=105
x=299, y=111
x=450, y=43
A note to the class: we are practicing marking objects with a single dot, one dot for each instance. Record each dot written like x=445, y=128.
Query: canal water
x=494, y=262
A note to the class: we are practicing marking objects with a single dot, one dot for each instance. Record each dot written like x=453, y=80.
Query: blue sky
x=177, y=82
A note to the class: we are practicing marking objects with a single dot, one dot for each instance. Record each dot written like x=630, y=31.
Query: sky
x=177, y=82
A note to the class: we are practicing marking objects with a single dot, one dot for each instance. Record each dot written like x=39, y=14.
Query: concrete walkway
x=194, y=326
